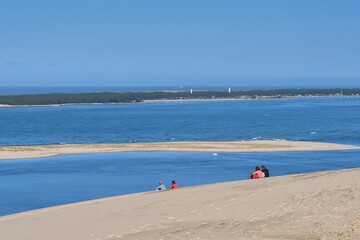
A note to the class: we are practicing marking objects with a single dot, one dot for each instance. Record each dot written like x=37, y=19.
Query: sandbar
x=15, y=152
x=321, y=205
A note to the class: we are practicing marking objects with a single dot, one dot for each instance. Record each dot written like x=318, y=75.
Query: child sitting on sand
x=257, y=174
x=173, y=185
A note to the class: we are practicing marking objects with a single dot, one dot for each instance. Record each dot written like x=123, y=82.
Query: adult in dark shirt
x=265, y=171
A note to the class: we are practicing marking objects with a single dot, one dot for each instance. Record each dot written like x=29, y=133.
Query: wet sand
x=14, y=152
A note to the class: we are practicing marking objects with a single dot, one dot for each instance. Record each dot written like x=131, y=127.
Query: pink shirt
x=258, y=174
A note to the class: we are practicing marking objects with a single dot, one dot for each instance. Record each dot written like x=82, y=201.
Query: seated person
x=174, y=185
x=265, y=171
x=257, y=174
x=161, y=186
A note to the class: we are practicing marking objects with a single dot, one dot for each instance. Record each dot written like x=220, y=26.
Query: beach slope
x=323, y=205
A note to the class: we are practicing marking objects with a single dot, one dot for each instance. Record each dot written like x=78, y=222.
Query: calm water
x=309, y=119
x=36, y=183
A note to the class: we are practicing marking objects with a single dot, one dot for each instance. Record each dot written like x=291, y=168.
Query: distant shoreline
x=150, y=101
x=17, y=152
x=180, y=100
x=247, y=99
x=60, y=99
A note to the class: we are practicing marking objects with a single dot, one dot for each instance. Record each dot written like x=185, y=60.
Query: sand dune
x=321, y=205
x=10, y=152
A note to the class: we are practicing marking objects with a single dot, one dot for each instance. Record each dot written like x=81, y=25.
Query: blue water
x=308, y=119
x=36, y=183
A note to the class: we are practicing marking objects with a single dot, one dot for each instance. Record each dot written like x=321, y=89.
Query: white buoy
x=215, y=154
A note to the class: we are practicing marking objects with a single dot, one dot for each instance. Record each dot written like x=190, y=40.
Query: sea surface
x=323, y=119
x=28, y=184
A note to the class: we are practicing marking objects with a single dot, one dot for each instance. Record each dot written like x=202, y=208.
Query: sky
x=179, y=42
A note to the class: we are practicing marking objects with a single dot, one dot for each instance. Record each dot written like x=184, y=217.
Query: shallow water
x=36, y=183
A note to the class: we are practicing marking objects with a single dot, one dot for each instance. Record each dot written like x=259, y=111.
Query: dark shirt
x=266, y=171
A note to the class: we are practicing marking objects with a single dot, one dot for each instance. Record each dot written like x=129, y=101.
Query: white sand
x=13, y=152
x=310, y=206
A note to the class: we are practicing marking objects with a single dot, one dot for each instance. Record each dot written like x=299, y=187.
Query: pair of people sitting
x=162, y=186
x=264, y=172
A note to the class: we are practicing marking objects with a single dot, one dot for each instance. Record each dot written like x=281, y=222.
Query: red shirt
x=174, y=185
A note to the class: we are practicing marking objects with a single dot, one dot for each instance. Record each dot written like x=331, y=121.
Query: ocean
x=28, y=184
x=322, y=119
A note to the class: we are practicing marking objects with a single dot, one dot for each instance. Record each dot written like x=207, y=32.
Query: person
x=257, y=174
x=161, y=186
x=173, y=185
x=265, y=171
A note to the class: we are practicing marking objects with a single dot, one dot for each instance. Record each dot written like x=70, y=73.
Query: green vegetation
x=136, y=97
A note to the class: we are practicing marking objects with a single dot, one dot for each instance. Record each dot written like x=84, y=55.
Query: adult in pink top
x=257, y=174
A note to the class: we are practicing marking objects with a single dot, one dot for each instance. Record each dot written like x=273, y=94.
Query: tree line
x=137, y=97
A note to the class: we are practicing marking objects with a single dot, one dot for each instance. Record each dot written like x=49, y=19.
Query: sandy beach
x=323, y=205
x=14, y=152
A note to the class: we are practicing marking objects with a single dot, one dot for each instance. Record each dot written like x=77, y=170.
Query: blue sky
x=179, y=42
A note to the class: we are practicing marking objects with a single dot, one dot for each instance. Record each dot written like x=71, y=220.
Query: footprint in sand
x=113, y=237
x=157, y=224
x=144, y=226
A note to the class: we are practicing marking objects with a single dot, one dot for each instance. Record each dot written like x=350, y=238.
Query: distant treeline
x=136, y=97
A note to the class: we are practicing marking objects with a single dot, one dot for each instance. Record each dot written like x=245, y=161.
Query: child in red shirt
x=174, y=185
